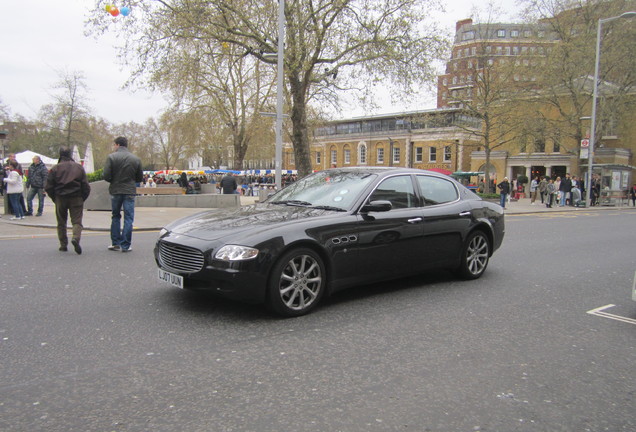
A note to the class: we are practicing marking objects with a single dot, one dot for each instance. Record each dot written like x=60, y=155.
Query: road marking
x=600, y=312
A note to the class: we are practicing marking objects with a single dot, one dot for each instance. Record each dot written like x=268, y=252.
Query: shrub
x=95, y=176
x=489, y=195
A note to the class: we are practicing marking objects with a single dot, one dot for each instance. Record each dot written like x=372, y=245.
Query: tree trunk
x=300, y=137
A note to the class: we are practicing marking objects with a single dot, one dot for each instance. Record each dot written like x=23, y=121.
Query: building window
x=501, y=33
x=334, y=157
x=396, y=155
x=447, y=153
x=469, y=35
x=419, y=154
x=432, y=156
x=362, y=153
x=539, y=145
x=347, y=156
x=317, y=158
x=473, y=50
x=380, y=151
x=514, y=33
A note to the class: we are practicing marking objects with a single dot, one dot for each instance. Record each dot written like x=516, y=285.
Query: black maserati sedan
x=331, y=230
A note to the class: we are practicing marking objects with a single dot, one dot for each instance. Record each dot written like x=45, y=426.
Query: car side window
x=399, y=190
x=436, y=190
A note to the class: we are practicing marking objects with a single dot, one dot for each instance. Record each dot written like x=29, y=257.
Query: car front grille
x=180, y=258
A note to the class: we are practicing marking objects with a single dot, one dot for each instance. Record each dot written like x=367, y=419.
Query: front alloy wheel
x=297, y=283
x=475, y=255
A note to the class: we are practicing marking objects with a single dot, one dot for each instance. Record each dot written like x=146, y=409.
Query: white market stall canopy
x=25, y=159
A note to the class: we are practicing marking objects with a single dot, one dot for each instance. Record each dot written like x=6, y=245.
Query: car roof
x=387, y=170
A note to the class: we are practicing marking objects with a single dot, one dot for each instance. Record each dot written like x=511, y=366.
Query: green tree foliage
x=354, y=40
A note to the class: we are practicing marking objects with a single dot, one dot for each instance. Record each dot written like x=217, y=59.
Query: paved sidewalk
x=155, y=218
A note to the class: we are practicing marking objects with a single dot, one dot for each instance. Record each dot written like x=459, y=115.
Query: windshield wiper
x=326, y=207
x=293, y=203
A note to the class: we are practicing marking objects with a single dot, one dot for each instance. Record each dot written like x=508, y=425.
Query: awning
x=440, y=170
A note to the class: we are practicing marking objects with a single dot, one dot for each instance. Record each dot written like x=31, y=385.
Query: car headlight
x=163, y=232
x=235, y=253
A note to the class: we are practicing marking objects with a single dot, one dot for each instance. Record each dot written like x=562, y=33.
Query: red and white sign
x=585, y=143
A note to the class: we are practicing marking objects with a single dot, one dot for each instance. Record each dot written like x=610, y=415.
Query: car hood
x=218, y=223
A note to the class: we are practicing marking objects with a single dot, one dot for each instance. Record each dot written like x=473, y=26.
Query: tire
x=475, y=256
x=297, y=283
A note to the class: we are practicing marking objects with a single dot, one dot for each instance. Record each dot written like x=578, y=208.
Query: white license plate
x=171, y=278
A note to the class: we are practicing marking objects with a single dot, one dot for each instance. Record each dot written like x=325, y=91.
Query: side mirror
x=377, y=206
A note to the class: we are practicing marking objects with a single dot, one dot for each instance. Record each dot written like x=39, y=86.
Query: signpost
x=585, y=148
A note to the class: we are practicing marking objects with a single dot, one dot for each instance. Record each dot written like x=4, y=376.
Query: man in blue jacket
x=123, y=171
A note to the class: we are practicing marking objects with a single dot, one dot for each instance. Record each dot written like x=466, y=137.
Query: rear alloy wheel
x=475, y=255
x=297, y=283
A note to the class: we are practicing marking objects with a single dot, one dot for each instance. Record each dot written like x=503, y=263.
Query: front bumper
x=239, y=280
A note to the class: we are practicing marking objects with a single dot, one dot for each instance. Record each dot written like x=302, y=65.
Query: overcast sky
x=39, y=38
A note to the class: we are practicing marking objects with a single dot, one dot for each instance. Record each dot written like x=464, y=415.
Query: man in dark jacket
x=228, y=184
x=68, y=187
x=565, y=188
x=504, y=190
x=35, y=183
x=123, y=171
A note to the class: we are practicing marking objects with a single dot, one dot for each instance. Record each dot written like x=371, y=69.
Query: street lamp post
x=279, y=95
x=590, y=159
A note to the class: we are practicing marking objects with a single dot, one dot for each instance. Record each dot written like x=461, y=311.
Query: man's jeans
x=122, y=237
x=564, y=197
x=33, y=191
x=502, y=201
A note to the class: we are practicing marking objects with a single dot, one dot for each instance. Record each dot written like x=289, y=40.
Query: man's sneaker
x=39, y=214
x=127, y=250
x=29, y=214
x=63, y=249
x=15, y=218
x=76, y=246
x=114, y=247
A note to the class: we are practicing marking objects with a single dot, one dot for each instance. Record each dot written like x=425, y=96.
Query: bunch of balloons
x=114, y=11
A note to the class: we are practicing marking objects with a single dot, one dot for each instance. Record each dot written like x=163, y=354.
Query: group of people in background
x=560, y=192
x=12, y=178
x=553, y=192
x=66, y=184
x=245, y=184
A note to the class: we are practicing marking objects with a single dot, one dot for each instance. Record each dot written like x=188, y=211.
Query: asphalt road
x=96, y=343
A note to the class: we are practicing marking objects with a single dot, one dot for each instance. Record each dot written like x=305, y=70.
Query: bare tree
x=391, y=40
x=70, y=107
x=564, y=86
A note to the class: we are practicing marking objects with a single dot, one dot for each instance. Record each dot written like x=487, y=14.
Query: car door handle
x=415, y=220
x=466, y=213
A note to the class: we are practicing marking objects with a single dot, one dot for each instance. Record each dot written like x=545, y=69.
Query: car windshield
x=335, y=190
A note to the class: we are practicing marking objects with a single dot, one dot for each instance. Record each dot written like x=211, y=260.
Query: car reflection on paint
x=331, y=230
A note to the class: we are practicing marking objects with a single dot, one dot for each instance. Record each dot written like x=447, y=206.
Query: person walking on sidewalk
x=534, y=189
x=504, y=190
x=14, y=189
x=35, y=183
x=123, y=171
x=68, y=187
x=550, y=193
x=543, y=188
